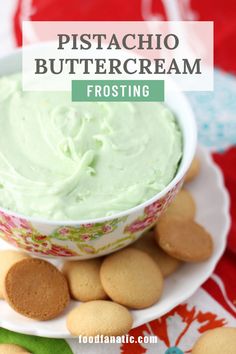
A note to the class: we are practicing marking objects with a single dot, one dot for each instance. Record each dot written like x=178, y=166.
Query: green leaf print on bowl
x=112, y=246
x=87, y=232
x=66, y=241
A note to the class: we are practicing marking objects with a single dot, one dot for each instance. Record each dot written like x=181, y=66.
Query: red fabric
x=76, y=10
x=225, y=270
x=227, y=265
x=227, y=162
x=223, y=15
x=95, y=10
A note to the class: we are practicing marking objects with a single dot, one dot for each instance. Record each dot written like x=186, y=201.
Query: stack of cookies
x=132, y=278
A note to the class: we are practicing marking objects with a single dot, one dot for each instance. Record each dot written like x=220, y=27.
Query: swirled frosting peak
x=74, y=161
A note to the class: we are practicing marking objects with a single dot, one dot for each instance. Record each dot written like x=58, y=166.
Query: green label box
x=118, y=90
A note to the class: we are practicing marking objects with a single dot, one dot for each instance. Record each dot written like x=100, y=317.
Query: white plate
x=212, y=211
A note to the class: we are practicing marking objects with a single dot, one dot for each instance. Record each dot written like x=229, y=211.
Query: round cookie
x=36, y=289
x=166, y=263
x=12, y=349
x=131, y=277
x=184, y=239
x=193, y=170
x=99, y=317
x=8, y=258
x=216, y=341
x=182, y=206
x=84, y=279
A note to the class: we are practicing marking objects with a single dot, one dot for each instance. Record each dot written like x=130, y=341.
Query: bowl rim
x=189, y=148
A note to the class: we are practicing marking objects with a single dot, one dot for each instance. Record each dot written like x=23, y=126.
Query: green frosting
x=73, y=161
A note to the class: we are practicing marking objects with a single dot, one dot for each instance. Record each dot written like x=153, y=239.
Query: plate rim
x=226, y=209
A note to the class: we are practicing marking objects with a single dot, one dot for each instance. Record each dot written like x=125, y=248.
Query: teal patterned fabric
x=216, y=112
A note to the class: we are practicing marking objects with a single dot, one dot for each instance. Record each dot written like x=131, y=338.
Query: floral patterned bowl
x=96, y=237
